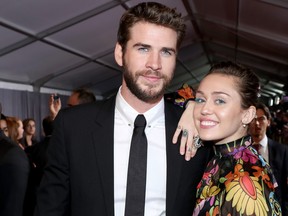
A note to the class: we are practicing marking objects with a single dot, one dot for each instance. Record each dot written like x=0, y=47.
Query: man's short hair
x=84, y=95
x=260, y=105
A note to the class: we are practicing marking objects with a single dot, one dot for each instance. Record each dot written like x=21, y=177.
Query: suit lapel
x=174, y=160
x=103, y=134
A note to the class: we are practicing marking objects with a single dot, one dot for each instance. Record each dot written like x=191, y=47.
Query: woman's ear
x=248, y=115
x=118, y=54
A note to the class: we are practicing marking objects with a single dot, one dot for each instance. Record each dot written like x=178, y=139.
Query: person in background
x=2, y=116
x=3, y=123
x=15, y=130
x=273, y=152
x=29, y=127
x=77, y=97
x=81, y=96
x=14, y=172
x=88, y=156
x=237, y=180
x=37, y=152
x=37, y=157
x=3, y=127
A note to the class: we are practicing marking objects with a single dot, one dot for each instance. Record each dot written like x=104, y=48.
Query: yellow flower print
x=246, y=195
x=209, y=191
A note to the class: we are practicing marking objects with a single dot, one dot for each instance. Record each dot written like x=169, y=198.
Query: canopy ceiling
x=68, y=44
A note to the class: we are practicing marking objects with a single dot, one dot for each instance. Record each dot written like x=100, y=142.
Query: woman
x=3, y=127
x=237, y=181
x=15, y=130
x=29, y=132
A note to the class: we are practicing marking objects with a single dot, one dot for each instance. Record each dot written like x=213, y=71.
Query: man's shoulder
x=170, y=107
x=277, y=145
x=89, y=109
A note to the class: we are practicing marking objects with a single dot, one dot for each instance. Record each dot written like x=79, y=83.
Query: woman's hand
x=187, y=127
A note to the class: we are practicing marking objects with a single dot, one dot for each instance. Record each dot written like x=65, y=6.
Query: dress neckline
x=233, y=147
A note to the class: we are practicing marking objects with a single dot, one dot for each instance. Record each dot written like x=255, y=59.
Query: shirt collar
x=264, y=141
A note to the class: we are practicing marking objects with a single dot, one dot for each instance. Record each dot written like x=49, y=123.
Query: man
x=77, y=97
x=89, y=149
x=80, y=96
x=275, y=153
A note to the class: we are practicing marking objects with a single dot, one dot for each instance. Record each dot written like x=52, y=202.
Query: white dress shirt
x=155, y=202
x=263, y=150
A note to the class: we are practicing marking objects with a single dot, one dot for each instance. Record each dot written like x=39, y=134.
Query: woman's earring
x=244, y=125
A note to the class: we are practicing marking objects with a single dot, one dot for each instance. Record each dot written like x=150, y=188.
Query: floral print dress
x=237, y=181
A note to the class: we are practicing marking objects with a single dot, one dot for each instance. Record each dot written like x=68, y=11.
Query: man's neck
x=139, y=105
x=258, y=138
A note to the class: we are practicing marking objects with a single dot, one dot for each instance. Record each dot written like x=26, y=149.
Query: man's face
x=149, y=61
x=258, y=126
x=73, y=100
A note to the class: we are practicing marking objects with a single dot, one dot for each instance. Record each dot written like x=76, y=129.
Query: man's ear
x=269, y=122
x=118, y=54
x=248, y=115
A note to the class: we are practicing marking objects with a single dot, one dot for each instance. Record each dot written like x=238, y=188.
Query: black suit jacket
x=79, y=177
x=278, y=159
x=14, y=171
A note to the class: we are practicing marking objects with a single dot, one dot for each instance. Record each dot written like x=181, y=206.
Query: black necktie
x=136, y=180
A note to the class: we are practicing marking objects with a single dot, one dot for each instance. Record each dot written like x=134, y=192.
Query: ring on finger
x=197, y=143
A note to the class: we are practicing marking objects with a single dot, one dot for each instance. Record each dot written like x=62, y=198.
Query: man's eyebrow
x=142, y=45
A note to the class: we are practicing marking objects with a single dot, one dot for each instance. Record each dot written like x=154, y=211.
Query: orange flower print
x=186, y=92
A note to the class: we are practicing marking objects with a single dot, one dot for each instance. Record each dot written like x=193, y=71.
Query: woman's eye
x=220, y=101
x=199, y=100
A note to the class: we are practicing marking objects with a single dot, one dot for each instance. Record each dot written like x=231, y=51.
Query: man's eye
x=166, y=52
x=143, y=49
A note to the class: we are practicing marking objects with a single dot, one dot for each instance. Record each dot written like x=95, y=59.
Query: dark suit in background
x=278, y=159
x=14, y=171
x=79, y=177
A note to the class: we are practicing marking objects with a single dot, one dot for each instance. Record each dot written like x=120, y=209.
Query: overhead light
x=276, y=100
x=270, y=102
x=281, y=85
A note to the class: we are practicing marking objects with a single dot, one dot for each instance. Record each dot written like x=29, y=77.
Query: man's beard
x=149, y=95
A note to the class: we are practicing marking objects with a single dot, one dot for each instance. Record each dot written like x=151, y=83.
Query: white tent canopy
x=66, y=44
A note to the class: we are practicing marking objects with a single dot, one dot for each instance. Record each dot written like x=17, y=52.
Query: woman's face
x=30, y=128
x=3, y=126
x=20, y=129
x=218, y=114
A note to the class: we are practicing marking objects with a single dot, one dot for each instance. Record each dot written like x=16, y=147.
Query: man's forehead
x=260, y=112
x=149, y=33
